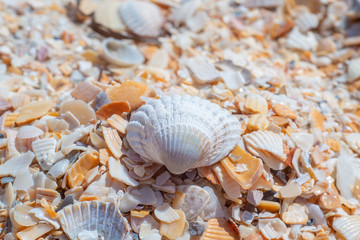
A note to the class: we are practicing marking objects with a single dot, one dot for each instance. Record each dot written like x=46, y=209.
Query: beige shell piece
x=142, y=18
x=43, y=148
x=231, y=187
x=296, y=213
x=121, y=53
x=353, y=72
x=272, y=228
x=300, y=41
x=254, y=103
x=25, y=137
x=348, y=227
x=165, y=213
x=33, y=111
x=85, y=91
x=57, y=125
x=218, y=228
x=174, y=229
x=113, y=141
x=76, y=175
x=118, y=123
x=34, y=232
x=82, y=111
x=103, y=217
x=257, y=122
x=268, y=146
x=20, y=216
x=118, y=171
x=107, y=15
x=182, y=132
x=202, y=70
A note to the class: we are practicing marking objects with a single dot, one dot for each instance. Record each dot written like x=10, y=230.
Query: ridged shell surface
x=182, y=132
x=104, y=217
x=142, y=18
x=348, y=227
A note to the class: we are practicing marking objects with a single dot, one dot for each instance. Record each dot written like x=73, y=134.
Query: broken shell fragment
x=121, y=53
x=81, y=110
x=296, y=213
x=43, y=149
x=353, y=73
x=166, y=214
x=25, y=137
x=256, y=104
x=174, y=229
x=348, y=226
x=202, y=70
x=98, y=216
x=158, y=134
x=33, y=111
x=272, y=228
x=218, y=228
x=112, y=108
x=142, y=18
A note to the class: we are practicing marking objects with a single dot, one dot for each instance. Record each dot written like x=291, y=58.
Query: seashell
x=231, y=187
x=20, y=216
x=353, y=72
x=15, y=164
x=59, y=168
x=197, y=22
x=303, y=140
x=218, y=228
x=25, y=137
x=85, y=91
x=268, y=146
x=76, y=174
x=213, y=208
x=4, y=105
x=284, y=111
x=166, y=214
x=112, y=108
x=34, y=110
x=296, y=213
x=72, y=121
x=290, y=190
x=254, y=103
x=348, y=227
x=10, y=119
x=272, y=228
x=98, y=216
x=142, y=18
x=158, y=133
x=113, y=141
x=101, y=100
x=257, y=122
x=121, y=53
x=263, y=4
x=118, y=171
x=106, y=14
x=57, y=125
x=202, y=70
x=34, y=232
x=174, y=229
x=325, y=46
x=51, y=196
x=191, y=200
x=118, y=123
x=269, y=206
x=82, y=111
x=43, y=148
x=317, y=119
x=297, y=40
x=129, y=91
x=246, y=170
x=306, y=21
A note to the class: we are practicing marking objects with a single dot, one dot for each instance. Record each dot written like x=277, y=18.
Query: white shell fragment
x=98, y=216
x=121, y=53
x=142, y=18
x=182, y=132
x=306, y=21
x=348, y=227
x=165, y=213
x=43, y=149
x=268, y=146
x=202, y=70
x=300, y=41
x=353, y=70
x=272, y=228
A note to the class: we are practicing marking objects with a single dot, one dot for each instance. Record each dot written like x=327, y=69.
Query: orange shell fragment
x=76, y=175
x=129, y=91
x=109, y=109
x=218, y=229
x=318, y=119
x=33, y=111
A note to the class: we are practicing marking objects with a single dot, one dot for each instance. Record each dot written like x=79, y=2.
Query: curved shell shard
x=182, y=132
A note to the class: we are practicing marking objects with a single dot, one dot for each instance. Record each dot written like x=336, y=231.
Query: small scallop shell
x=121, y=53
x=254, y=103
x=268, y=146
x=42, y=149
x=306, y=21
x=98, y=216
x=218, y=228
x=142, y=18
x=182, y=132
x=353, y=70
x=272, y=228
x=297, y=40
x=348, y=227
x=25, y=136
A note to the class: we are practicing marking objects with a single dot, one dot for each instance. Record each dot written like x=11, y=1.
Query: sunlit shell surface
x=25, y=136
x=182, y=132
x=98, y=216
x=348, y=227
x=142, y=18
x=121, y=53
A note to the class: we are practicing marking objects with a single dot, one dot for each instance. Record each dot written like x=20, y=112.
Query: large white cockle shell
x=182, y=132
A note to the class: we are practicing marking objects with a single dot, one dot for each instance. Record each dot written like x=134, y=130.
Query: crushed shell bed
x=74, y=73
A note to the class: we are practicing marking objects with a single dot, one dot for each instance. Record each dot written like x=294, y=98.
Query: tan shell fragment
x=20, y=216
x=348, y=227
x=353, y=70
x=296, y=213
x=107, y=15
x=231, y=187
x=257, y=122
x=25, y=137
x=34, y=232
x=284, y=111
x=142, y=18
x=165, y=213
x=268, y=146
x=272, y=228
x=246, y=170
x=113, y=141
x=76, y=175
x=218, y=228
x=85, y=91
x=118, y=123
x=254, y=103
x=202, y=70
x=174, y=229
x=33, y=111
x=82, y=111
